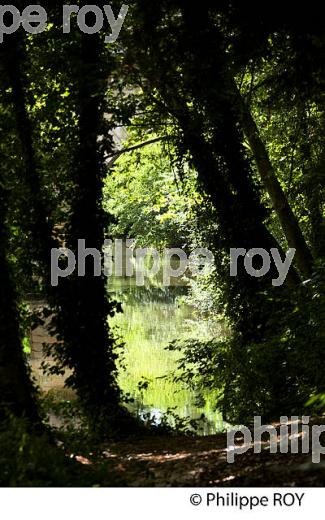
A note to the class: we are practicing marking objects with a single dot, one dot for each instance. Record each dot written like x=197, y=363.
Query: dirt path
x=201, y=461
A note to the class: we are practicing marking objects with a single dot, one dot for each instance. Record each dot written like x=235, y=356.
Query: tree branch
x=113, y=158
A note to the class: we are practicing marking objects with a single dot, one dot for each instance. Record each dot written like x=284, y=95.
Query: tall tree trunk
x=85, y=305
x=314, y=185
x=38, y=220
x=17, y=393
x=288, y=220
x=217, y=97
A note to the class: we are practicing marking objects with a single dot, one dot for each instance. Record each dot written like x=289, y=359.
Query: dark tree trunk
x=37, y=221
x=17, y=393
x=217, y=96
x=84, y=302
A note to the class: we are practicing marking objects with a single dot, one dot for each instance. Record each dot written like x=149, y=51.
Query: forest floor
x=171, y=461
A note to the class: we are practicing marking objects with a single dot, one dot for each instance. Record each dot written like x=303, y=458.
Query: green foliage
x=239, y=374
x=31, y=459
x=147, y=200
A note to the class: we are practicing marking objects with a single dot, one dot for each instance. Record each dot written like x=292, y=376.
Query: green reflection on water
x=152, y=317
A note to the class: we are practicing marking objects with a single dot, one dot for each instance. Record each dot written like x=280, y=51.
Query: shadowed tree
x=17, y=393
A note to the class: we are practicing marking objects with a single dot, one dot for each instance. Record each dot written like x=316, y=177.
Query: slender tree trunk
x=314, y=185
x=314, y=191
x=288, y=220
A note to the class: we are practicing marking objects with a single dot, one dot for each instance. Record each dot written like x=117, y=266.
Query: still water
x=153, y=316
